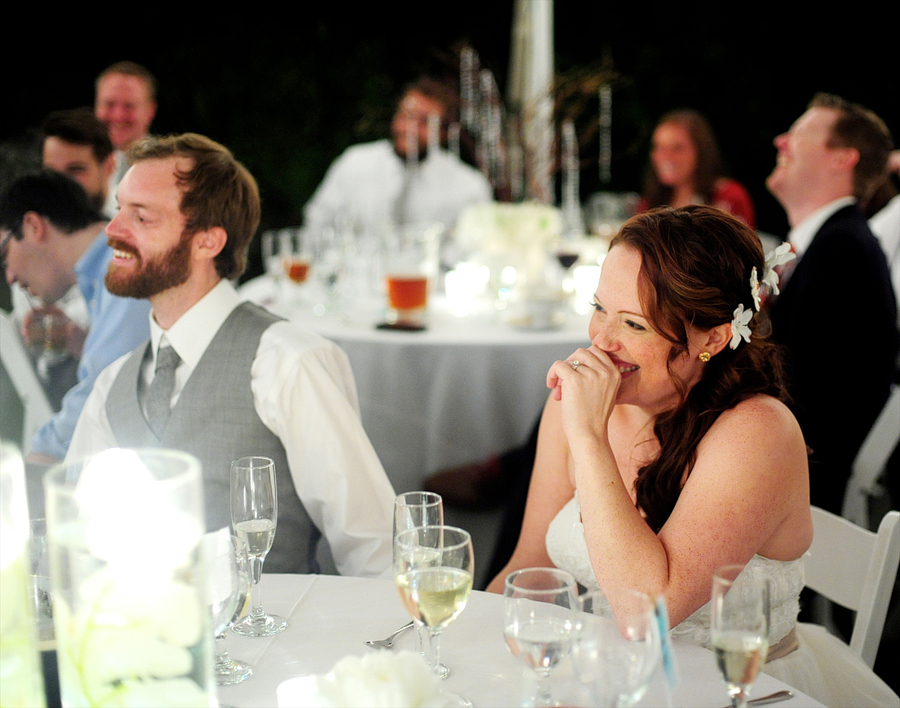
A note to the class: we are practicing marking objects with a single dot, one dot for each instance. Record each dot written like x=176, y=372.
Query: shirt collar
x=195, y=329
x=803, y=233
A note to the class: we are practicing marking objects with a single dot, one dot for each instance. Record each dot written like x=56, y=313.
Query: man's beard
x=165, y=271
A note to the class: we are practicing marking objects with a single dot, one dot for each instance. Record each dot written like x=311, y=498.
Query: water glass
x=538, y=621
x=124, y=530
x=228, y=595
x=617, y=647
x=20, y=668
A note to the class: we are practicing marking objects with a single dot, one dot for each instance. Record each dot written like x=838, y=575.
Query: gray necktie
x=159, y=392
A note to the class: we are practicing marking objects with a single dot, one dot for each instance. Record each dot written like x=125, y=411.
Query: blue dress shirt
x=118, y=325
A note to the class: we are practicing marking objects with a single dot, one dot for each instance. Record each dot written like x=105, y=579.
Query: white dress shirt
x=304, y=392
x=364, y=183
x=886, y=227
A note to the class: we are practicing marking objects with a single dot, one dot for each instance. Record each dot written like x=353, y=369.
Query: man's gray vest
x=216, y=421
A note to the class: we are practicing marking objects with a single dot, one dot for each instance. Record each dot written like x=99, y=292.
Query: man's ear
x=209, y=243
x=34, y=227
x=844, y=159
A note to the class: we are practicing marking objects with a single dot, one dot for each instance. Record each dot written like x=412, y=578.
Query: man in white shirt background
x=381, y=184
x=244, y=382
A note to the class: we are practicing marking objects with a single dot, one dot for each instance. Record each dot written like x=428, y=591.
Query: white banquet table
x=464, y=388
x=331, y=616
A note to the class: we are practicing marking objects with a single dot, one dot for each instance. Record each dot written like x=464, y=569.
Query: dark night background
x=287, y=95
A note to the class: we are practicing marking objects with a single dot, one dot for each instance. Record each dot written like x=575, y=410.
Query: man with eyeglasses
x=52, y=237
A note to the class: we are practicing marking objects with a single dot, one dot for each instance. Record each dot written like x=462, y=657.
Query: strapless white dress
x=822, y=666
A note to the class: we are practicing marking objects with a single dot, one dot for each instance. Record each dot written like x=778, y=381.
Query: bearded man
x=223, y=379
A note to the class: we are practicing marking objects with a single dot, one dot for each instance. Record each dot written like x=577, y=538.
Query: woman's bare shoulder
x=761, y=410
x=762, y=429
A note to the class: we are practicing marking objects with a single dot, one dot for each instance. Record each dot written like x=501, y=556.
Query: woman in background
x=686, y=168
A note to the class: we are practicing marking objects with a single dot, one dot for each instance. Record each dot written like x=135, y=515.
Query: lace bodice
x=567, y=549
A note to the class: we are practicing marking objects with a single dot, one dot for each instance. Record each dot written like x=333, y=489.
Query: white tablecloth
x=331, y=616
x=463, y=389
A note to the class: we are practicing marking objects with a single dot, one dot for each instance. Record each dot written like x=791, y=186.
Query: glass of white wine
x=739, y=627
x=254, y=513
x=228, y=594
x=617, y=646
x=434, y=568
x=412, y=509
x=539, y=620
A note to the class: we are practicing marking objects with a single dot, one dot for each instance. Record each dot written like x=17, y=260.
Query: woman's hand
x=586, y=384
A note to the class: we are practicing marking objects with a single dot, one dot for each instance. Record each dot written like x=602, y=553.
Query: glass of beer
x=299, y=259
x=411, y=268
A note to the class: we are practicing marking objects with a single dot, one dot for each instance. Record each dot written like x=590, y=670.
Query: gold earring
x=704, y=357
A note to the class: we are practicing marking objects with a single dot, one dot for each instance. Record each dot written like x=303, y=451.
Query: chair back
x=37, y=408
x=871, y=461
x=856, y=568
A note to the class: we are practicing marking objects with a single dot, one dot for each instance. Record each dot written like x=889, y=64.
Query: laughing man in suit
x=836, y=314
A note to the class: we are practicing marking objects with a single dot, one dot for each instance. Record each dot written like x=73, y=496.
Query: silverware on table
x=771, y=698
x=389, y=642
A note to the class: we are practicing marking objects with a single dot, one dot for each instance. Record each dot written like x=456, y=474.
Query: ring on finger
x=575, y=364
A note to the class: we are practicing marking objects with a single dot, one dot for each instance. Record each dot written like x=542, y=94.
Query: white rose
x=381, y=680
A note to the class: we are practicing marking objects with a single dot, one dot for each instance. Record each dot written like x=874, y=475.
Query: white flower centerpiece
x=513, y=240
x=383, y=679
x=132, y=625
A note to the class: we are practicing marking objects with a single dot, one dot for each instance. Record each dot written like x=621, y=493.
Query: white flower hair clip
x=739, y=326
x=781, y=255
x=754, y=289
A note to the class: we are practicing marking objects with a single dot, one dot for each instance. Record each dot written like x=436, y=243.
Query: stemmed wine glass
x=538, y=621
x=228, y=591
x=740, y=627
x=434, y=568
x=617, y=646
x=254, y=513
x=412, y=509
x=276, y=245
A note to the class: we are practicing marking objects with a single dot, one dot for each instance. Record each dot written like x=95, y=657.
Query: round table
x=464, y=388
x=331, y=616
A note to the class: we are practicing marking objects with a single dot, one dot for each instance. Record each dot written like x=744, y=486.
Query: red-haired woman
x=667, y=449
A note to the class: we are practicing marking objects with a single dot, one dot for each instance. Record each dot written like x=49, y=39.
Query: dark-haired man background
x=52, y=238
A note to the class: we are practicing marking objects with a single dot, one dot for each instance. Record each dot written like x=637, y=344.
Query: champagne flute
x=617, y=646
x=228, y=593
x=412, y=509
x=740, y=627
x=254, y=514
x=538, y=621
x=434, y=568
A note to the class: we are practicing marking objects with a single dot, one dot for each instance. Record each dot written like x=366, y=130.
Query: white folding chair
x=37, y=408
x=870, y=462
x=856, y=568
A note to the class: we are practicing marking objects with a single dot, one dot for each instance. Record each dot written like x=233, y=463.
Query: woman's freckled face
x=619, y=327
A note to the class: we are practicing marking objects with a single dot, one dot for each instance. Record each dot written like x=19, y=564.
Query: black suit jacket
x=837, y=318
